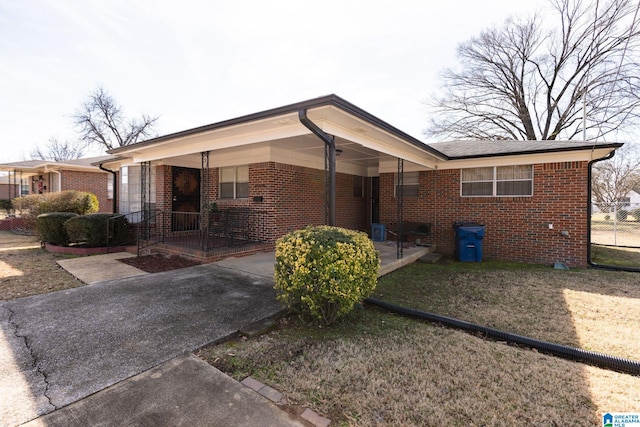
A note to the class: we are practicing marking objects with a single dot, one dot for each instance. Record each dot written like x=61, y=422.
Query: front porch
x=235, y=232
x=204, y=236
x=261, y=264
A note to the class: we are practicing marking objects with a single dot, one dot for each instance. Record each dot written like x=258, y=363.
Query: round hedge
x=50, y=226
x=324, y=271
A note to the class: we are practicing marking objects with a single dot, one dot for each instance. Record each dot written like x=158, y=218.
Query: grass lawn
x=26, y=269
x=615, y=256
x=375, y=368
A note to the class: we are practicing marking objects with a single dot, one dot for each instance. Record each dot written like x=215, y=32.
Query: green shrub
x=6, y=205
x=622, y=215
x=324, y=271
x=635, y=213
x=78, y=202
x=96, y=230
x=50, y=226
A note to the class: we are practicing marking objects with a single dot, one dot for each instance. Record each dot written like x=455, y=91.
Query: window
x=110, y=186
x=410, y=184
x=624, y=202
x=497, y=181
x=234, y=182
x=130, y=189
x=358, y=187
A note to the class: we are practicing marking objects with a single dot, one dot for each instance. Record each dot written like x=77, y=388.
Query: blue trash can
x=378, y=232
x=469, y=241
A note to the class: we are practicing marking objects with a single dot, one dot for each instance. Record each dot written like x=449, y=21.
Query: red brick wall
x=7, y=192
x=517, y=228
x=292, y=198
x=93, y=182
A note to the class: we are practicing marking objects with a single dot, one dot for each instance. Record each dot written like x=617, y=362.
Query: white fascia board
x=526, y=159
x=249, y=133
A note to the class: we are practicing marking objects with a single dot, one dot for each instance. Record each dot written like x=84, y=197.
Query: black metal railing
x=207, y=231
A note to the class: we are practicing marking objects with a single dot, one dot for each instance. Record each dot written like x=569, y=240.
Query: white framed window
x=234, y=182
x=131, y=189
x=110, y=186
x=494, y=181
x=410, y=184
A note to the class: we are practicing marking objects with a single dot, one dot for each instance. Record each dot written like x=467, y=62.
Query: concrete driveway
x=61, y=347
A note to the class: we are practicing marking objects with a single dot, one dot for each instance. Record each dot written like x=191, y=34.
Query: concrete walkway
x=113, y=352
x=62, y=347
x=184, y=391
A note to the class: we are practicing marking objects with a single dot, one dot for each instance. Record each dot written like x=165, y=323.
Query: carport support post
x=400, y=207
x=330, y=149
x=205, y=202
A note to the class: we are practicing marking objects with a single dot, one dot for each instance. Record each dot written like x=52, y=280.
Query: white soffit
x=335, y=121
x=253, y=132
x=349, y=130
x=527, y=159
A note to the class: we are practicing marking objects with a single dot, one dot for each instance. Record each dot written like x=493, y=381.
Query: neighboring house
x=8, y=188
x=44, y=176
x=278, y=167
x=633, y=198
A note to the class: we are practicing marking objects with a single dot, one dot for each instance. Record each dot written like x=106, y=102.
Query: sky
x=194, y=63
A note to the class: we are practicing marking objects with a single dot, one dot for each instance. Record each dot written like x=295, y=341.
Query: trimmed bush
x=324, y=271
x=622, y=215
x=95, y=230
x=78, y=202
x=6, y=205
x=50, y=226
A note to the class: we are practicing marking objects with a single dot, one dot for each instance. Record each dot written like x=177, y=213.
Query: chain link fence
x=616, y=225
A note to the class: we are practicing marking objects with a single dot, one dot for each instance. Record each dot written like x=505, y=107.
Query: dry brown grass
x=380, y=369
x=592, y=309
x=25, y=269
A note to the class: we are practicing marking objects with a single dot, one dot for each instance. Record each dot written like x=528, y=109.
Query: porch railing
x=211, y=230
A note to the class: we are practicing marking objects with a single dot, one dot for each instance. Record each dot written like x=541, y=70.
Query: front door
x=186, y=190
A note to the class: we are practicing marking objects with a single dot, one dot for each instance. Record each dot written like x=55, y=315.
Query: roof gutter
x=589, y=186
x=330, y=152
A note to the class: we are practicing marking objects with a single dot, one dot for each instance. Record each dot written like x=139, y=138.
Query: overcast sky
x=198, y=62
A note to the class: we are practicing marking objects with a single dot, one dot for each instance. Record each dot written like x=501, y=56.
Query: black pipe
x=329, y=140
x=598, y=359
x=589, y=187
x=115, y=187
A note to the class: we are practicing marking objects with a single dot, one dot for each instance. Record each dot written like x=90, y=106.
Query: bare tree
x=57, y=151
x=101, y=122
x=613, y=180
x=523, y=82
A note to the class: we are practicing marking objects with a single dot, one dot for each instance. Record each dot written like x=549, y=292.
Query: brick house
x=43, y=176
x=327, y=161
x=7, y=188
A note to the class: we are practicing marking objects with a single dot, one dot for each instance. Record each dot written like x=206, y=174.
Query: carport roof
x=331, y=113
x=35, y=166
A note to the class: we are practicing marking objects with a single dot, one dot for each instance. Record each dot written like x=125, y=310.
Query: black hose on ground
x=591, y=357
